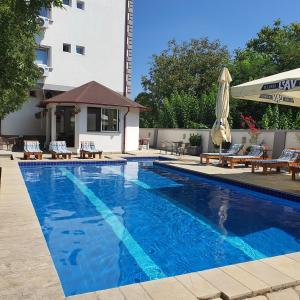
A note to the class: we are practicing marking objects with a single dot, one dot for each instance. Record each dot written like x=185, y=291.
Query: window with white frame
x=105, y=119
x=66, y=47
x=44, y=12
x=67, y=2
x=80, y=50
x=80, y=4
x=42, y=56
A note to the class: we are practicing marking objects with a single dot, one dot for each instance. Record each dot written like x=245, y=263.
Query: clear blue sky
x=233, y=22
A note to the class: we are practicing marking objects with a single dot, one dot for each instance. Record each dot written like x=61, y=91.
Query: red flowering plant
x=248, y=121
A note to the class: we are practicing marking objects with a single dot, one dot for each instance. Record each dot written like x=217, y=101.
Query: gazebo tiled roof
x=93, y=93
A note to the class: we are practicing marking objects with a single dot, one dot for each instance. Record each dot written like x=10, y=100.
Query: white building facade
x=86, y=40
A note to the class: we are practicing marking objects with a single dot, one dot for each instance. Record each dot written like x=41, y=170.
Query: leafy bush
x=195, y=140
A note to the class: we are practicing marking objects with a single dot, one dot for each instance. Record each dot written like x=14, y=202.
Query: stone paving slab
x=167, y=288
x=294, y=256
x=268, y=274
x=257, y=286
x=231, y=288
x=134, y=292
x=287, y=294
x=285, y=265
x=200, y=287
x=257, y=298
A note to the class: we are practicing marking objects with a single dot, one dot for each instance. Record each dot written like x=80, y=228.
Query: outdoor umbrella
x=282, y=88
x=221, y=130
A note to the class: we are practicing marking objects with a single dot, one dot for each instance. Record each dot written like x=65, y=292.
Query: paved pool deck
x=27, y=270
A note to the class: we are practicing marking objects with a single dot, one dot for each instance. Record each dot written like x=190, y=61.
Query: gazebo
x=93, y=112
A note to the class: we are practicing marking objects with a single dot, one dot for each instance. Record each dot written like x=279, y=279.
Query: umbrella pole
x=220, y=149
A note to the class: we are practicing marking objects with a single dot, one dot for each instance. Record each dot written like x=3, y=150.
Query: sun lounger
x=285, y=160
x=88, y=148
x=234, y=149
x=32, y=148
x=255, y=153
x=294, y=169
x=59, y=148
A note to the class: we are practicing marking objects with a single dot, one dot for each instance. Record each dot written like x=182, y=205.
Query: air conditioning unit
x=44, y=69
x=43, y=22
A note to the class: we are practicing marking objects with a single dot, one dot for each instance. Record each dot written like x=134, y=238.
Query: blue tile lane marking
x=143, y=260
x=231, y=239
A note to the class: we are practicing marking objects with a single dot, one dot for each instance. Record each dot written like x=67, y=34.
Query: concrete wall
x=149, y=133
x=23, y=122
x=238, y=136
x=293, y=139
x=100, y=28
x=182, y=135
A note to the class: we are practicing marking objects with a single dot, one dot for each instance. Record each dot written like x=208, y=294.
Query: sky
x=233, y=22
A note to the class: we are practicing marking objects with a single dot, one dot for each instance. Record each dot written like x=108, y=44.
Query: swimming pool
x=116, y=224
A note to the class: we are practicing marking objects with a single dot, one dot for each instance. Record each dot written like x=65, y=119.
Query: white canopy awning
x=282, y=88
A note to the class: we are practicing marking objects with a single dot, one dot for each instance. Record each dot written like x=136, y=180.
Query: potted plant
x=195, y=147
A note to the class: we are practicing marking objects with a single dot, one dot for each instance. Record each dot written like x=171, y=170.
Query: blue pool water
x=112, y=225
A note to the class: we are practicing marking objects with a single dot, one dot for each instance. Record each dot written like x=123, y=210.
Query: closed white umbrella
x=221, y=131
x=282, y=88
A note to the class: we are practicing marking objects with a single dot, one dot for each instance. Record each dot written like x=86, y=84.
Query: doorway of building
x=65, y=124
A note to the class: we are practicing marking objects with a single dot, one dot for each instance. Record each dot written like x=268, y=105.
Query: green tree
x=186, y=74
x=283, y=122
x=297, y=121
x=18, y=73
x=290, y=119
x=275, y=122
x=167, y=115
x=190, y=67
x=149, y=118
x=265, y=121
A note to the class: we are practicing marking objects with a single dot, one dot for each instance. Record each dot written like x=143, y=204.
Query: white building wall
x=23, y=121
x=132, y=130
x=100, y=28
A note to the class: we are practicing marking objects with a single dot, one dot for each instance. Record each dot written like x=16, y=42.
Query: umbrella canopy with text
x=282, y=88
